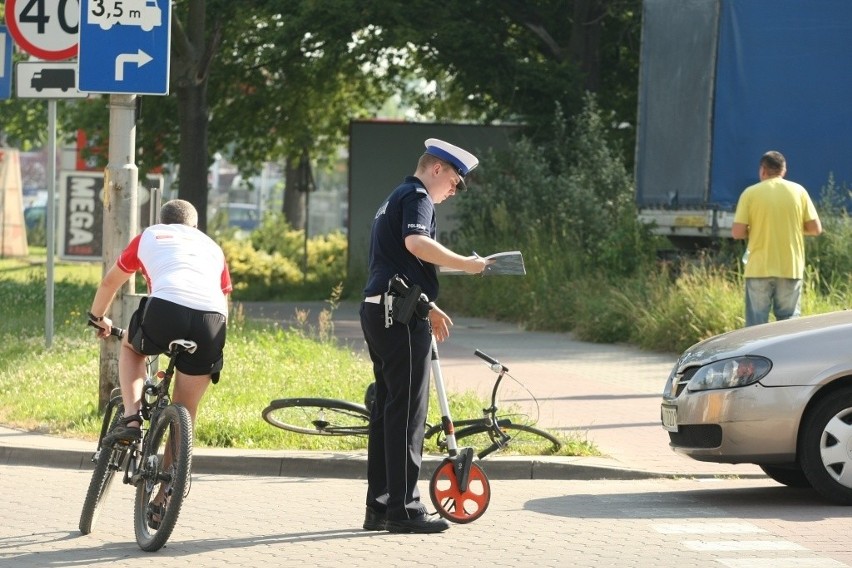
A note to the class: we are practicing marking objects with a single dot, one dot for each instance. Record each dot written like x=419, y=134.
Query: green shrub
x=259, y=275
x=271, y=263
x=569, y=207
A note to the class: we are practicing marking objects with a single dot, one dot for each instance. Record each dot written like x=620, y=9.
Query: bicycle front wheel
x=107, y=460
x=319, y=416
x=523, y=439
x=164, y=477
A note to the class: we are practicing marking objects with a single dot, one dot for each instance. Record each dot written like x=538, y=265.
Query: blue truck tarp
x=723, y=81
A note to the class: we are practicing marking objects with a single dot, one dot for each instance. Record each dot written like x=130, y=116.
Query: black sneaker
x=374, y=520
x=123, y=435
x=423, y=524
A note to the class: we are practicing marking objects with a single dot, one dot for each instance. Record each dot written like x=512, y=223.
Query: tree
x=282, y=80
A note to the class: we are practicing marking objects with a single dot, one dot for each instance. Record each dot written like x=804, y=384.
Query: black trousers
x=401, y=357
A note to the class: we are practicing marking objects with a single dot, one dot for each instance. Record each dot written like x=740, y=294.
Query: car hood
x=825, y=337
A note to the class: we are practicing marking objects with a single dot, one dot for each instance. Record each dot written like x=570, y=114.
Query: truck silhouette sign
x=143, y=13
x=53, y=79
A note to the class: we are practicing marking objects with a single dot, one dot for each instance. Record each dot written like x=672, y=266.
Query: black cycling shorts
x=157, y=322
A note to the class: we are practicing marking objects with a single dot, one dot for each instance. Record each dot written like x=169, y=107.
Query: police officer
x=403, y=244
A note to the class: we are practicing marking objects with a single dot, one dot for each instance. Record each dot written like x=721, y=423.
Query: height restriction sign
x=46, y=29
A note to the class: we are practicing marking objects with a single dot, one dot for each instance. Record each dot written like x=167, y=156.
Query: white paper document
x=509, y=262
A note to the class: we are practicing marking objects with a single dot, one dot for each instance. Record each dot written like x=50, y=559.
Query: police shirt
x=408, y=211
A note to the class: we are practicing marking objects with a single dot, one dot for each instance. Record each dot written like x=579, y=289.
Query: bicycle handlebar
x=495, y=365
x=116, y=331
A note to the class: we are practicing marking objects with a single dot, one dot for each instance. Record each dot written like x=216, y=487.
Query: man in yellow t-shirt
x=774, y=215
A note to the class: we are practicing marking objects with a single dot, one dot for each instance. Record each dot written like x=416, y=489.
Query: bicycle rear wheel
x=107, y=462
x=523, y=439
x=319, y=416
x=165, y=467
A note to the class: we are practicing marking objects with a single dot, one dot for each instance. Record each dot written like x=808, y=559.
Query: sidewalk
x=608, y=394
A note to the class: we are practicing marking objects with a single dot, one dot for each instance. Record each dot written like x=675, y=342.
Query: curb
x=354, y=465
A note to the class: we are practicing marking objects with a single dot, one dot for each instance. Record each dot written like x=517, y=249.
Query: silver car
x=777, y=395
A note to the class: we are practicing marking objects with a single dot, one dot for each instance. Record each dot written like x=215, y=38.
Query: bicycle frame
x=155, y=397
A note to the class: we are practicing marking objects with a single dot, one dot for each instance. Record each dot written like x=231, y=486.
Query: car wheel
x=825, y=449
x=789, y=475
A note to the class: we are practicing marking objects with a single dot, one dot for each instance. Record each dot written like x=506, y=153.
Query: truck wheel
x=825, y=447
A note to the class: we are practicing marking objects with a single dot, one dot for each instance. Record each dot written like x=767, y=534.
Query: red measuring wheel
x=454, y=503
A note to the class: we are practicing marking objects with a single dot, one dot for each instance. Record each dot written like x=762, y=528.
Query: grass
x=54, y=390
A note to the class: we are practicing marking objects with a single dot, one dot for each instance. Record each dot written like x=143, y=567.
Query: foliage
x=570, y=211
x=286, y=78
x=830, y=256
x=272, y=264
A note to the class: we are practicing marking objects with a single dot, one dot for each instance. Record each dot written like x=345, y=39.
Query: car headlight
x=730, y=373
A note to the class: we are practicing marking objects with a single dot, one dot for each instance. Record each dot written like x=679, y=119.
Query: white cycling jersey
x=181, y=265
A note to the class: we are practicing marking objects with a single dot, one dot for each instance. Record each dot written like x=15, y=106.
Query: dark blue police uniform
x=400, y=354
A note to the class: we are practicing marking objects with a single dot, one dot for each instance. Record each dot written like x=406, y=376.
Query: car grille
x=682, y=379
x=697, y=436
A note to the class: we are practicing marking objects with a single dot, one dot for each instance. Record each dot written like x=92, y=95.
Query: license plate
x=690, y=221
x=669, y=416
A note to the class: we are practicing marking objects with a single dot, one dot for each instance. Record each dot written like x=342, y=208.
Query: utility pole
x=120, y=224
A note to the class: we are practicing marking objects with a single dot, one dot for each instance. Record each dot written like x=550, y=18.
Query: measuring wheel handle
x=461, y=467
x=459, y=489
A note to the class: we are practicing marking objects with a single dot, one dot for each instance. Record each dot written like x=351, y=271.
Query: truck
x=723, y=81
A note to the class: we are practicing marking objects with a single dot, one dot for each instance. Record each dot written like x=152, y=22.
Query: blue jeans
x=780, y=295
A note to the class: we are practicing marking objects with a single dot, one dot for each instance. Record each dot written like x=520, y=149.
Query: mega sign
x=82, y=213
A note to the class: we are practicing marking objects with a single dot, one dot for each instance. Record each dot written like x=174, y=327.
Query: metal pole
x=120, y=223
x=51, y=221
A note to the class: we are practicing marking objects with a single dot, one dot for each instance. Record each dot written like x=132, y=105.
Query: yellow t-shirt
x=775, y=211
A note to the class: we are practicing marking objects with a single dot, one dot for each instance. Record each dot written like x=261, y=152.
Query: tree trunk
x=299, y=180
x=192, y=176
x=585, y=45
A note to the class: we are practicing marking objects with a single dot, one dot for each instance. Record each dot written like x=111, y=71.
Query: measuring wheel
x=457, y=499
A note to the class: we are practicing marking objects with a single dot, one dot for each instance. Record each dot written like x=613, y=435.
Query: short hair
x=774, y=162
x=427, y=160
x=178, y=212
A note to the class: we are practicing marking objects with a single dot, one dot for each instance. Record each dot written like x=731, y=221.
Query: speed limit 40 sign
x=46, y=29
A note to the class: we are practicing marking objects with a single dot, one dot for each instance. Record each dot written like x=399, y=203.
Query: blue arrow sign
x=5, y=63
x=124, y=46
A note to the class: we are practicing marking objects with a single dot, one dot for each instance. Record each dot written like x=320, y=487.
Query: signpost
x=6, y=48
x=125, y=46
x=44, y=28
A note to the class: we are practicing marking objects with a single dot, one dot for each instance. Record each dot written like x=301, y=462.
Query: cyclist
x=188, y=283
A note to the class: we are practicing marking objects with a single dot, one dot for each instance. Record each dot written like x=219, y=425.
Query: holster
x=406, y=301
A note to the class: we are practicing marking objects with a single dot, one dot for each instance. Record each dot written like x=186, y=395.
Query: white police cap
x=462, y=160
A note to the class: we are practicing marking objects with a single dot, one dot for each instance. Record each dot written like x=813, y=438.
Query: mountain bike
x=459, y=488
x=159, y=463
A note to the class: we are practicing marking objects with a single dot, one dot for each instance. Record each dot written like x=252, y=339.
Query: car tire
x=824, y=446
x=789, y=475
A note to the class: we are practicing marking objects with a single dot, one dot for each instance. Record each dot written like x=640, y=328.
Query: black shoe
x=154, y=514
x=123, y=435
x=424, y=524
x=374, y=520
